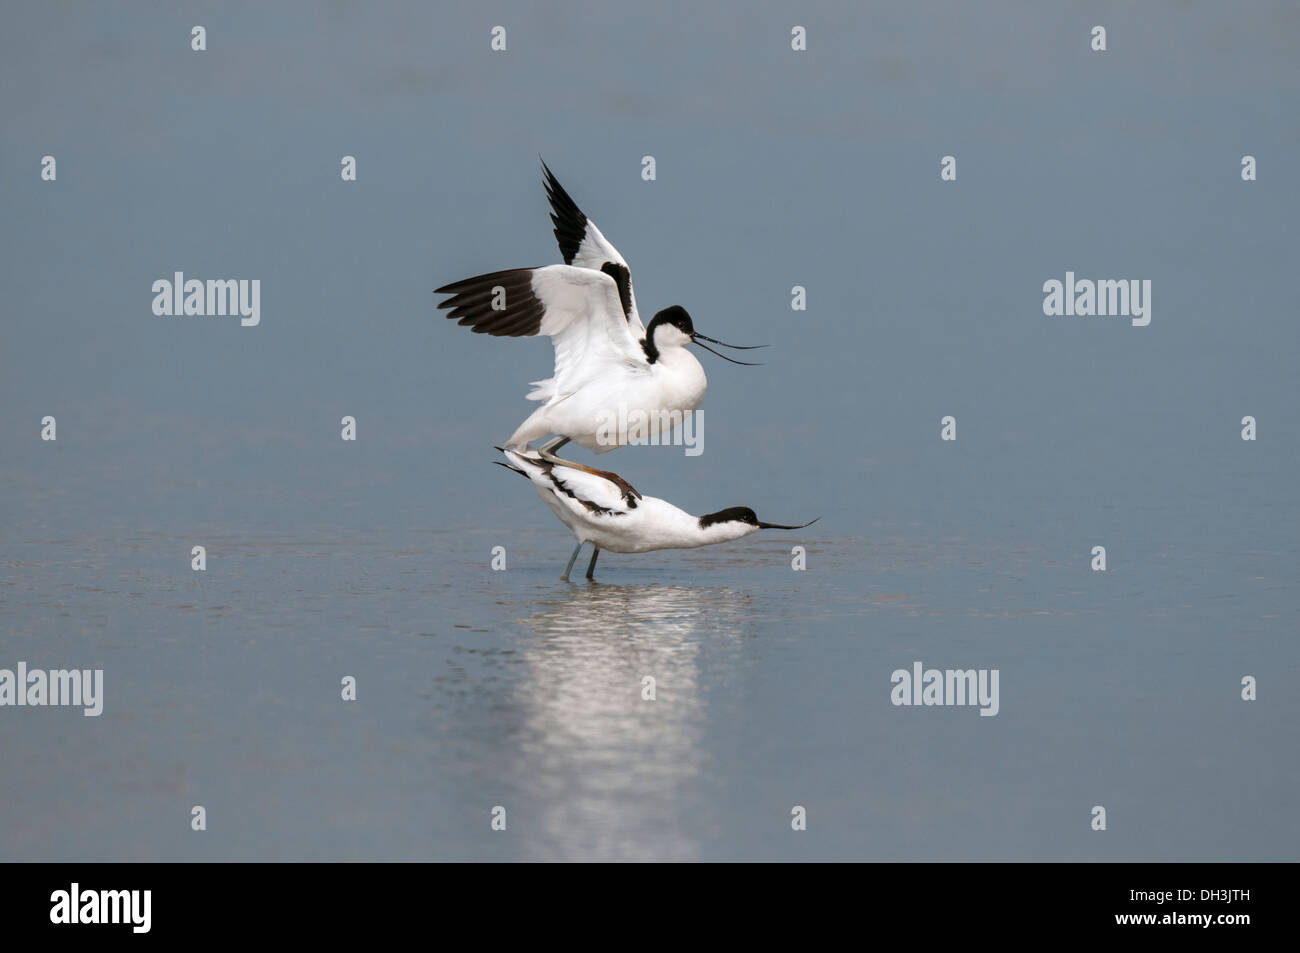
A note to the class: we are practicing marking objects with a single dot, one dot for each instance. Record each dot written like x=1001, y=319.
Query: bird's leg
x=572, y=560
x=547, y=450
x=591, y=566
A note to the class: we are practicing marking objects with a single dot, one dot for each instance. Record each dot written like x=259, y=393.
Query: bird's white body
x=620, y=396
x=655, y=524
x=615, y=517
x=614, y=379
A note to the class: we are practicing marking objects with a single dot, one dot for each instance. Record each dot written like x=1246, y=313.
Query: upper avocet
x=607, y=364
x=605, y=510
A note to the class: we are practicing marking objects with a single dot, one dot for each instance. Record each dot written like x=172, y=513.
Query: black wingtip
x=472, y=303
x=570, y=224
x=551, y=181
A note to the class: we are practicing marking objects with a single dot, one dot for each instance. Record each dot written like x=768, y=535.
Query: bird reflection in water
x=612, y=775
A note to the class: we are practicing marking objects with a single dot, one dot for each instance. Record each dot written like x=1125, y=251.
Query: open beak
x=762, y=525
x=696, y=338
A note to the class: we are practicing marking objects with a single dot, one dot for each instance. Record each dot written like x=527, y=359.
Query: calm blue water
x=479, y=688
x=371, y=559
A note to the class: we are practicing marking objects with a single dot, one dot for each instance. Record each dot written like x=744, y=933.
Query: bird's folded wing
x=582, y=491
x=587, y=493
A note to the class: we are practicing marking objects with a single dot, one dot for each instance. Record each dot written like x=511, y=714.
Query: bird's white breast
x=608, y=414
x=681, y=379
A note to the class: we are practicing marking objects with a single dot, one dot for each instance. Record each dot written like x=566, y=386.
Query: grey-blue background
x=775, y=168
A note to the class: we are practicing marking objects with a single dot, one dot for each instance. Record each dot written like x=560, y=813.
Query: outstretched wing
x=577, y=308
x=580, y=491
x=583, y=246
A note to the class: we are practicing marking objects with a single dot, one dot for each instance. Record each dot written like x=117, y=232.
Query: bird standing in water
x=605, y=510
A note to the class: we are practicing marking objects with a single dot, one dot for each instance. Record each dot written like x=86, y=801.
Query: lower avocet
x=605, y=510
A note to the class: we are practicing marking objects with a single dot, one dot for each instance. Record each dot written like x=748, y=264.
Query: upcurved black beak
x=734, y=347
x=696, y=338
x=762, y=525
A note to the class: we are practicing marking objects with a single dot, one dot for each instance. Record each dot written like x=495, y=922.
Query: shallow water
x=479, y=689
x=777, y=170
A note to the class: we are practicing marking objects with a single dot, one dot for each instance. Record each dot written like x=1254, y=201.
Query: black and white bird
x=605, y=510
x=608, y=366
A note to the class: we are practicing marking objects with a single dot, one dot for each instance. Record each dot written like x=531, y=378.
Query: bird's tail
x=519, y=462
x=542, y=390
